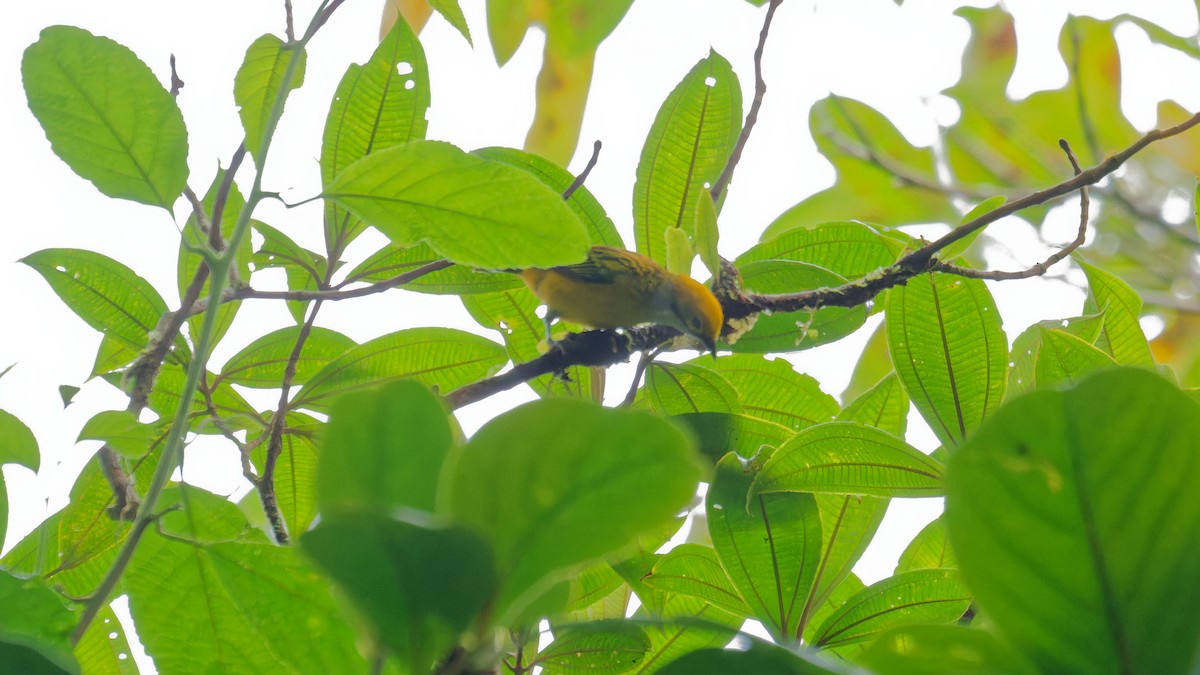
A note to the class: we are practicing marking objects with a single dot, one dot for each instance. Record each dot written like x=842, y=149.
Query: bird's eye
x=695, y=323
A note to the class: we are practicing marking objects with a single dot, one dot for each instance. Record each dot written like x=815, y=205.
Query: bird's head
x=697, y=312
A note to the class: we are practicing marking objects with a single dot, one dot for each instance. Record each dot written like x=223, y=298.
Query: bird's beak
x=711, y=345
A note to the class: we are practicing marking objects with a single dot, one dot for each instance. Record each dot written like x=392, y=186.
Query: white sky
x=894, y=58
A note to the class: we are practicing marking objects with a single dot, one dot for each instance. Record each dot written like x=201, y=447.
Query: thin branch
x=266, y=482
x=247, y=293
x=902, y=174
x=176, y=83
x=591, y=348
x=604, y=347
x=643, y=363
x=760, y=90
x=1040, y=268
x=575, y=184
x=289, y=28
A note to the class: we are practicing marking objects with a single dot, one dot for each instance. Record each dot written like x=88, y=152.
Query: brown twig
x=247, y=293
x=266, y=481
x=575, y=184
x=176, y=83
x=760, y=90
x=643, y=363
x=289, y=27
x=1040, y=268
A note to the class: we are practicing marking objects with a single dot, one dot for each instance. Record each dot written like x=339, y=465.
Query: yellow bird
x=615, y=288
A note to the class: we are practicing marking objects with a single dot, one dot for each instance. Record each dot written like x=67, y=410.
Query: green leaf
x=848, y=248
x=585, y=205
x=850, y=459
x=678, y=251
x=1027, y=348
x=67, y=393
x=440, y=358
x=683, y=625
x=259, y=84
x=769, y=544
x=693, y=569
x=392, y=260
x=193, y=238
x=772, y=390
x=687, y=148
x=603, y=647
x=106, y=115
x=514, y=314
x=303, y=267
x=794, y=331
x=420, y=588
x=227, y=403
x=507, y=22
x=1122, y=335
x=104, y=647
x=17, y=443
x=591, y=585
x=941, y=650
x=853, y=136
x=722, y=433
x=35, y=628
x=261, y=363
x=76, y=545
x=930, y=549
x=706, y=234
x=121, y=431
x=106, y=294
x=883, y=406
x=1065, y=359
x=384, y=449
x=472, y=211
x=377, y=105
x=848, y=523
x=960, y=247
x=592, y=480
x=873, y=365
x=214, y=592
x=949, y=350
x=677, y=388
x=761, y=657
x=1069, y=472
x=450, y=10
x=916, y=597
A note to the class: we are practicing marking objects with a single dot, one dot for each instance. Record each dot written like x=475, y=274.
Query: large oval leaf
x=917, y=597
x=772, y=390
x=852, y=459
x=949, y=350
x=848, y=248
x=472, y=211
x=378, y=104
x=260, y=82
x=106, y=294
x=794, y=331
x=436, y=357
x=1073, y=515
x=582, y=202
x=688, y=145
x=769, y=544
x=592, y=479
x=262, y=362
x=106, y=115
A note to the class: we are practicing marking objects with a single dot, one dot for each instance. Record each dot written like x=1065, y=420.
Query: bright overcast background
x=895, y=58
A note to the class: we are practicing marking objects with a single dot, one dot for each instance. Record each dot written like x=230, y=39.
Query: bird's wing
x=601, y=267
